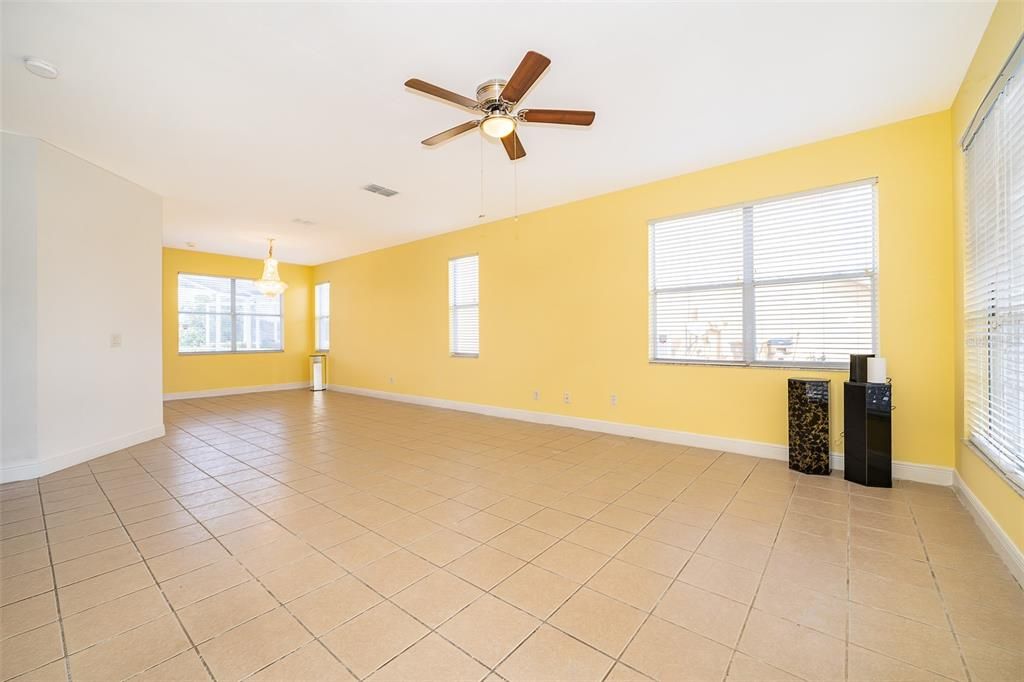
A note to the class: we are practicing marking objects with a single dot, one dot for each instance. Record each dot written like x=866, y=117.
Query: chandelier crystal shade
x=270, y=283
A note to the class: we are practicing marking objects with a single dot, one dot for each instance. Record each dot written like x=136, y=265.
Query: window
x=464, y=306
x=994, y=278
x=226, y=315
x=788, y=281
x=322, y=315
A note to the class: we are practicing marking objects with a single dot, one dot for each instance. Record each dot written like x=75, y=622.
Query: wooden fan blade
x=513, y=146
x=450, y=133
x=437, y=91
x=527, y=73
x=564, y=116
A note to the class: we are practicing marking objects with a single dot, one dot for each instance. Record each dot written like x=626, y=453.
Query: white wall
x=97, y=262
x=18, y=302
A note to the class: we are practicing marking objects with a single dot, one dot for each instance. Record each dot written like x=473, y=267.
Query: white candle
x=876, y=371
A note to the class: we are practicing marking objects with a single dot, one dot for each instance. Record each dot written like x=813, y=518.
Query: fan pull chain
x=515, y=179
x=482, y=213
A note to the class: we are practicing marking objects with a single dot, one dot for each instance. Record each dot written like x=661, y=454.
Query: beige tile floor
x=293, y=536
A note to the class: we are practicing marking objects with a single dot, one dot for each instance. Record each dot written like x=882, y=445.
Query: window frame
x=1005, y=465
x=748, y=283
x=317, y=345
x=233, y=315
x=453, y=307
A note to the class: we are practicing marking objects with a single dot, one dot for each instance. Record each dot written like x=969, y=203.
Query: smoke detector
x=40, y=68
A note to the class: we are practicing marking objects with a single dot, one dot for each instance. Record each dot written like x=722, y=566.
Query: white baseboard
x=21, y=472
x=910, y=471
x=235, y=390
x=923, y=473
x=1011, y=555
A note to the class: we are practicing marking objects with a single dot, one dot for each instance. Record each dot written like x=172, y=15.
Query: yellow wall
x=1004, y=29
x=184, y=373
x=564, y=301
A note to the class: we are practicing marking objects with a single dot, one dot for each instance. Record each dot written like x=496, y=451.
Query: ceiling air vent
x=383, y=191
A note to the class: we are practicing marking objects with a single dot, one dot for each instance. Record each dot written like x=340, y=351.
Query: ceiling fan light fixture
x=497, y=100
x=498, y=125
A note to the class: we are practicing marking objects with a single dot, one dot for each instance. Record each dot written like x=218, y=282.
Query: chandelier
x=270, y=283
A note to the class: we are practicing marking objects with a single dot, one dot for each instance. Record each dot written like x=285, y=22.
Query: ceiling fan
x=496, y=99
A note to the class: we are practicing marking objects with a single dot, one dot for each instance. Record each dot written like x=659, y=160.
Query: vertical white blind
x=785, y=281
x=994, y=284
x=322, y=315
x=225, y=315
x=464, y=305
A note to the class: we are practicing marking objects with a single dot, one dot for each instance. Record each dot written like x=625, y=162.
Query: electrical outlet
x=536, y=395
x=565, y=398
x=115, y=340
x=615, y=400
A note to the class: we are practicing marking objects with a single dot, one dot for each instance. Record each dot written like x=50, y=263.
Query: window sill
x=1013, y=479
x=464, y=355
x=230, y=352
x=752, y=365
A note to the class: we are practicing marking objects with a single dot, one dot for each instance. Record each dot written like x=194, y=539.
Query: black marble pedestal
x=809, y=435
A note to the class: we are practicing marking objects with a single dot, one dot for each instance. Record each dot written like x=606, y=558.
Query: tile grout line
x=253, y=577
x=849, y=581
x=56, y=595
x=383, y=598
x=650, y=614
x=920, y=538
x=757, y=589
x=545, y=621
x=388, y=599
x=938, y=588
x=159, y=587
x=617, y=660
x=541, y=621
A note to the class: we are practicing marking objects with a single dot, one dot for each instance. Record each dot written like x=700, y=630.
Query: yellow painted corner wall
x=184, y=373
x=564, y=302
x=1004, y=29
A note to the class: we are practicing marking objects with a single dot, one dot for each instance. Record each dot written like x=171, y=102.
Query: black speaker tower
x=867, y=412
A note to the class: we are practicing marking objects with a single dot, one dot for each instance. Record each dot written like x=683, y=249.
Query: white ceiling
x=245, y=117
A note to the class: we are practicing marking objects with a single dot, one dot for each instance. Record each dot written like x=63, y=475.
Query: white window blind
x=322, y=315
x=226, y=315
x=464, y=306
x=994, y=283
x=788, y=281
x=697, y=287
